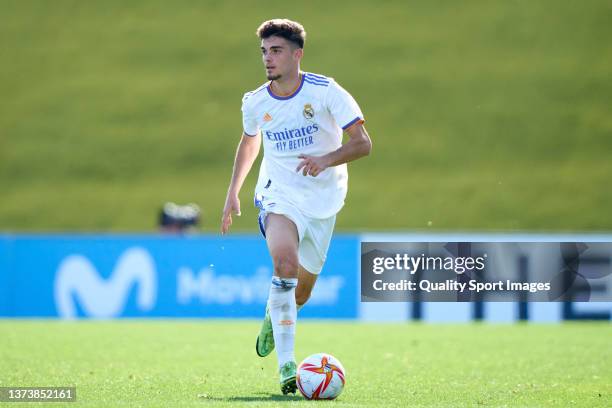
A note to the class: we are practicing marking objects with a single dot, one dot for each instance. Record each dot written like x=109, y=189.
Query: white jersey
x=310, y=121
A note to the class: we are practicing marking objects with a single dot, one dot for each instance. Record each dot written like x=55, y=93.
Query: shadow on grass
x=262, y=396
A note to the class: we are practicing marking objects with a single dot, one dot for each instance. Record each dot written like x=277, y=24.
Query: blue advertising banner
x=151, y=276
x=100, y=276
x=5, y=276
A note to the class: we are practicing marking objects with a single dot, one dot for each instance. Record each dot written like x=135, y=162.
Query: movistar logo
x=288, y=134
x=77, y=280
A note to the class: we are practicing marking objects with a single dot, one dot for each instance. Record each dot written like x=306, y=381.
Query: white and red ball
x=320, y=376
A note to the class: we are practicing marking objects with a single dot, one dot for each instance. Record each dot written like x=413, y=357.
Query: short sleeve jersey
x=310, y=121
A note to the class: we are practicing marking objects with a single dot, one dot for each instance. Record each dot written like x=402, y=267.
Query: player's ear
x=298, y=53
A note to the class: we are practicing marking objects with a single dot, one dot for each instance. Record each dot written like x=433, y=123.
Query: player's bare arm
x=358, y=145
x=247, y=152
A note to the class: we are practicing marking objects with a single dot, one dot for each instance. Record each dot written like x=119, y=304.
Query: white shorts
x=314, y=234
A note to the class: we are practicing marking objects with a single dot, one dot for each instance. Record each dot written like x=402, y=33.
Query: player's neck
x=286, y=86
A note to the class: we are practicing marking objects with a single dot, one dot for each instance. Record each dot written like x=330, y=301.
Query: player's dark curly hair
x=281, y=27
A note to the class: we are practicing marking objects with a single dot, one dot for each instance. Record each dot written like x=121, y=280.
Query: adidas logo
x=267, y=117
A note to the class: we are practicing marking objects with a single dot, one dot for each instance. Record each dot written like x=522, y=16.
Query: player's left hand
x=311, y=165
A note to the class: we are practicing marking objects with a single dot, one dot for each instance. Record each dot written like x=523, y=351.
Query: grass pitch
x=213, y=363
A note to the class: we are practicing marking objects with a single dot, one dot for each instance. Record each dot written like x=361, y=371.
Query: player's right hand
x=232, y=204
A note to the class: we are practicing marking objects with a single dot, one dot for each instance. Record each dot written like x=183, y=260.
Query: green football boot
x=287, y=378
x=265, y=339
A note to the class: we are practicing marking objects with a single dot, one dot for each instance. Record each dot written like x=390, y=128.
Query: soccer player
x=300, y=117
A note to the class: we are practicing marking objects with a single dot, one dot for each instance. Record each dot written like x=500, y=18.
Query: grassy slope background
x=484, y=115
x=212, y=363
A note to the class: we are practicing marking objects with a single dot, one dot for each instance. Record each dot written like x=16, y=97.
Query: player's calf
x=306, y=283
x=283, y=315
x=302, y=295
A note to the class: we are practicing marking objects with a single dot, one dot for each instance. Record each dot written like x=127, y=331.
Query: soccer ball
x=320, y=376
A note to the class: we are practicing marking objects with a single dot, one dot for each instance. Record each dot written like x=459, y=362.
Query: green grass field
x=485, y=115
x=213, y=363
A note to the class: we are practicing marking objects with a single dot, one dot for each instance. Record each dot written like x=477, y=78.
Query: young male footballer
x=300, y=117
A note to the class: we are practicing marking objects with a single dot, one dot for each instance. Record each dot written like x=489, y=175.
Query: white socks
x=283, y=313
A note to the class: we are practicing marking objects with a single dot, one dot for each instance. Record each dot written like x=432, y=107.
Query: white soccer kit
x=310, y=121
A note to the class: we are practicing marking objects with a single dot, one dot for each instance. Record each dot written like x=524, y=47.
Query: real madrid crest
x=308, y=111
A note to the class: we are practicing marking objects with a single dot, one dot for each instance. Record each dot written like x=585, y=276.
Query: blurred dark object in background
x=176, y=219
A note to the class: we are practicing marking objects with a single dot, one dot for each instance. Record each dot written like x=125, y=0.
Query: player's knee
x=285, y=266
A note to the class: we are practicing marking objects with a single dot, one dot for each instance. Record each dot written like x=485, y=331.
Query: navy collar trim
x=284, y=98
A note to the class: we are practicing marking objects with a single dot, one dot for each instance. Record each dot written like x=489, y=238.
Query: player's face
x=280, y=57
